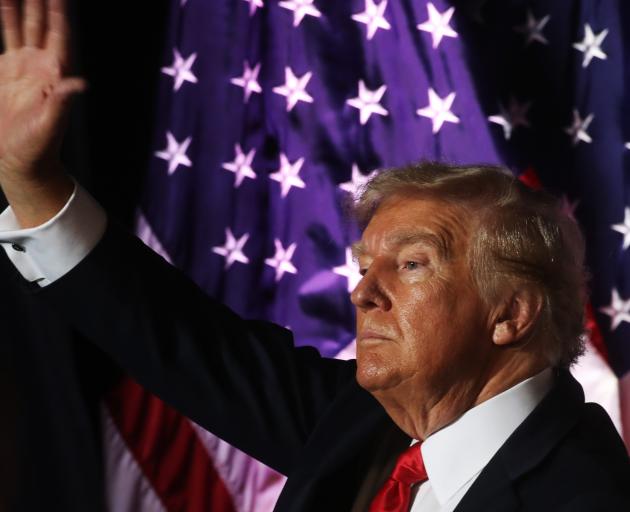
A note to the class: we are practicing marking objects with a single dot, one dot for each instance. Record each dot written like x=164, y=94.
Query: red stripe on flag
x=168, y=450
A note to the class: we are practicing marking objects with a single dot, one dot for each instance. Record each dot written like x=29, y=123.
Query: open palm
x=34, y=88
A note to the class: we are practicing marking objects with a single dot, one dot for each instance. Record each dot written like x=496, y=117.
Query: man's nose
x=370, y=293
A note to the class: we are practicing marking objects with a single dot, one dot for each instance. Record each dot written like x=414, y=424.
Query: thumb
x=59, y=98
x=67, y=88
x=70, y=86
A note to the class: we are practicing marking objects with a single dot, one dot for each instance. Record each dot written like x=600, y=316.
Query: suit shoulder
x=592, y=456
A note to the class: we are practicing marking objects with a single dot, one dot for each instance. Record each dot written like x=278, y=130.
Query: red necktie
x=395, y=494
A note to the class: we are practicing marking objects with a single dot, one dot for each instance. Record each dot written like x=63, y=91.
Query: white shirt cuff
x=45, y=253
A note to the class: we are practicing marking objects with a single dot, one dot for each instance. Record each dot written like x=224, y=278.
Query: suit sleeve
x=242, y=380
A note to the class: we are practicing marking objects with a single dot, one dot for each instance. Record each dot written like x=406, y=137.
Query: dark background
x=118, y=49
x=51, y=381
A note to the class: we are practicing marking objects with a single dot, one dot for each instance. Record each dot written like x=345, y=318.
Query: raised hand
x=34, y=93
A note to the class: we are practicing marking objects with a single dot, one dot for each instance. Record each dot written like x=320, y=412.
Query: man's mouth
x=370, y=335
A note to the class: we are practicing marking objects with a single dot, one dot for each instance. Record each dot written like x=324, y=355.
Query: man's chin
x=373, y=374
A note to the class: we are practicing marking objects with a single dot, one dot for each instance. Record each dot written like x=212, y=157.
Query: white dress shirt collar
x=457, y=453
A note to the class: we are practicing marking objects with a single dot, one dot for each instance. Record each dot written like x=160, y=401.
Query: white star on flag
x=349, y=270
x=294, y=88
x=300, y=9
x=180, y=69
x=357, y=182
x=373, y=17
x=591, y=45
x=232, y=250
x=512, y=117
x=249, y=80
x=624, y=228
x=618, y=310
x=241, y=165
x=368, y=102
x=438, y=24
x=439, y=110
x=281, y=261
x=175, y=153
x=577, y=130
x=533, y=29
x=253, y=5
x=288, y=174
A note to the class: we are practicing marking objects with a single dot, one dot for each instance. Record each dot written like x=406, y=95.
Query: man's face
x=421, y=325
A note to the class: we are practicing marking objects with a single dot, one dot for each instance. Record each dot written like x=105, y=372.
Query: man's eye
x=411, y=265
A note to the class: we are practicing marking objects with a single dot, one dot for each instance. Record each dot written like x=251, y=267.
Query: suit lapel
x=491, y=492
x=496, y=487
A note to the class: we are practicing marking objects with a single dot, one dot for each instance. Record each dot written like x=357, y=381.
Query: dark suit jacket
x=304, y=415
x=50, y=387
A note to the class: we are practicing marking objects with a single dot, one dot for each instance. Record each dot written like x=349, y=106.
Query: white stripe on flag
x=348, y=352
x=126, y=487
x=253, y=486
x=146, y=234
x=599, y=382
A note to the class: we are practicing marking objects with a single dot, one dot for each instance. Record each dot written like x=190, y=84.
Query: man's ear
x=517, y=316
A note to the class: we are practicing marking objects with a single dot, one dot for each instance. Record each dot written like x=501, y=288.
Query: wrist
x=37, y=197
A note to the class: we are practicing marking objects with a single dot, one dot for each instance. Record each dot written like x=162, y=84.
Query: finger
x=34, y=22
x=69, y=87
x=58, y=99
x=11, y=31
x=58, y=30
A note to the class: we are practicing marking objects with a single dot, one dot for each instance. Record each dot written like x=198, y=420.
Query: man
x=469, y=314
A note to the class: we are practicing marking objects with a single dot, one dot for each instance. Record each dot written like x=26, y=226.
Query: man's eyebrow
x=439, y=241
x=358, y=249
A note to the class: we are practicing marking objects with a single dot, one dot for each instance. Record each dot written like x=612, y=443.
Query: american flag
x=273, y=113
